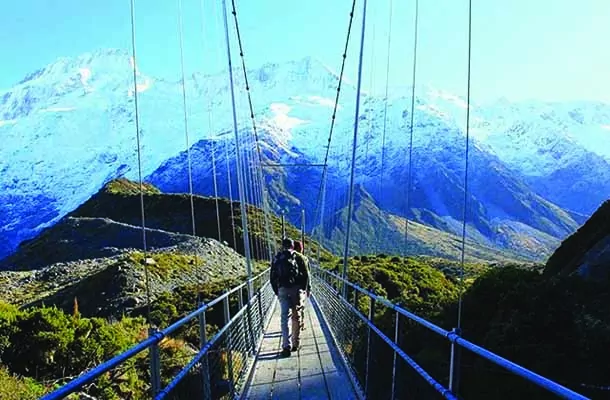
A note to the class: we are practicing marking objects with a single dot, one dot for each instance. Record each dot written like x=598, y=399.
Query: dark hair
x=298, y=246
x=287, y=243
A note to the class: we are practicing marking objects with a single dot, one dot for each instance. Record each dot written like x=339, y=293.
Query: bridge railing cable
x=222, y=361
x=351, y=319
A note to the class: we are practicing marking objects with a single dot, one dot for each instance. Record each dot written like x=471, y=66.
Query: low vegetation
x=126, y=187
x=555, y=326
x=43, y=347
x=165, y=265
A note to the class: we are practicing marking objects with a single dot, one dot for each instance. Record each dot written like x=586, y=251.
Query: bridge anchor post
x=205, y=371
x=454, y=365
x=397, y=342
x=369, y=344
x=248, y=335
x=155, y=365
x=227, y=315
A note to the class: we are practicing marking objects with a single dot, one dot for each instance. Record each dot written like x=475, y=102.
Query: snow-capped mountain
x=561, y=149
x=69, y=127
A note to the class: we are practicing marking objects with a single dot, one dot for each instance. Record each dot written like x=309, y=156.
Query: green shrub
x=13, y=387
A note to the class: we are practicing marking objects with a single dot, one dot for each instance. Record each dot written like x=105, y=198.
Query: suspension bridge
x=346, y=353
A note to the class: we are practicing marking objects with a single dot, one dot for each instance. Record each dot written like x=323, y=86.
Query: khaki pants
x=291, y=305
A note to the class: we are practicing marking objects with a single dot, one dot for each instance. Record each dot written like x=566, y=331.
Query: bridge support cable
x=259, y=159
x=215, y=179
x=139, y=151
x=385, y=111
x=260, y=213
x=250, y=188
x=335, y=107
x=264, y=202
x=225, y=144
x=411, y=123
x=454, y=376
x=184, y=106
x=465, y=217
x=257, y=178
x=267, y=215
x=240, y=182
x=209, y=111
x=354, y=145
x=255, y=197
x=229, y=179
x=369, y=130
x=321, y=229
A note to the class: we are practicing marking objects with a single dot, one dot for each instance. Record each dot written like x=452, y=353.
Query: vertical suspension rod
x=240, y=178
x=410, y=171
x=352, y=173
x=186, y=129
x=137, y=121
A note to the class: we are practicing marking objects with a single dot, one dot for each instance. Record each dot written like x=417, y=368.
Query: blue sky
x=522, y=49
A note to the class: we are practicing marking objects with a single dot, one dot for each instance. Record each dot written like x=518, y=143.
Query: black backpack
x=286, y=268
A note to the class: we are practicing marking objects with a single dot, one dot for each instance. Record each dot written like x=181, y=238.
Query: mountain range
x=537, y=170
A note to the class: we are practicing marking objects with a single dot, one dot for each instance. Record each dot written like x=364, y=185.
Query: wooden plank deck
x=314, y=372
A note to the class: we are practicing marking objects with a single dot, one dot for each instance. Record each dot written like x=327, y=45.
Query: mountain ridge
x=61, y=106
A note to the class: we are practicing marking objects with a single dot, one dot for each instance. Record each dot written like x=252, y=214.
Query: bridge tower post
x=229, y=348
x=397, y=341
x=369, y=344
x=155, y=365
x=205, y=372
x=454, y=365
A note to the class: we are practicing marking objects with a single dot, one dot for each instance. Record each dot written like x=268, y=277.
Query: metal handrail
x=147, y=343
x=180, y=375
x=453, y=337
x=435, y=384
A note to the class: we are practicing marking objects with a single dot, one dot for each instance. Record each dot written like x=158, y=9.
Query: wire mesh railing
x=219, y=368
x=369, y=331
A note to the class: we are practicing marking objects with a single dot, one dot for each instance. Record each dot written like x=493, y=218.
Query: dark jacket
x=303, y=281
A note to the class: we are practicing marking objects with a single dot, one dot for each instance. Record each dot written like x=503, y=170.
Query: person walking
x=298, y=248
x=290, y=281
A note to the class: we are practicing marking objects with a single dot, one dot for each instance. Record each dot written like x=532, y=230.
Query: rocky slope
x=112, y=285
x=587, y=251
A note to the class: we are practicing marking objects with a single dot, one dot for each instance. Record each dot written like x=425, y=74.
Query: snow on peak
x=315, y=101
x=63, y=83
x=306, y=76
x=281, y=118
x=85, y=74
x=448, y=97
x=57, y=109
x=104, y=61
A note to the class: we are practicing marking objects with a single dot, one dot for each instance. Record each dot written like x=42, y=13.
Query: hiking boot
x=286, y=352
